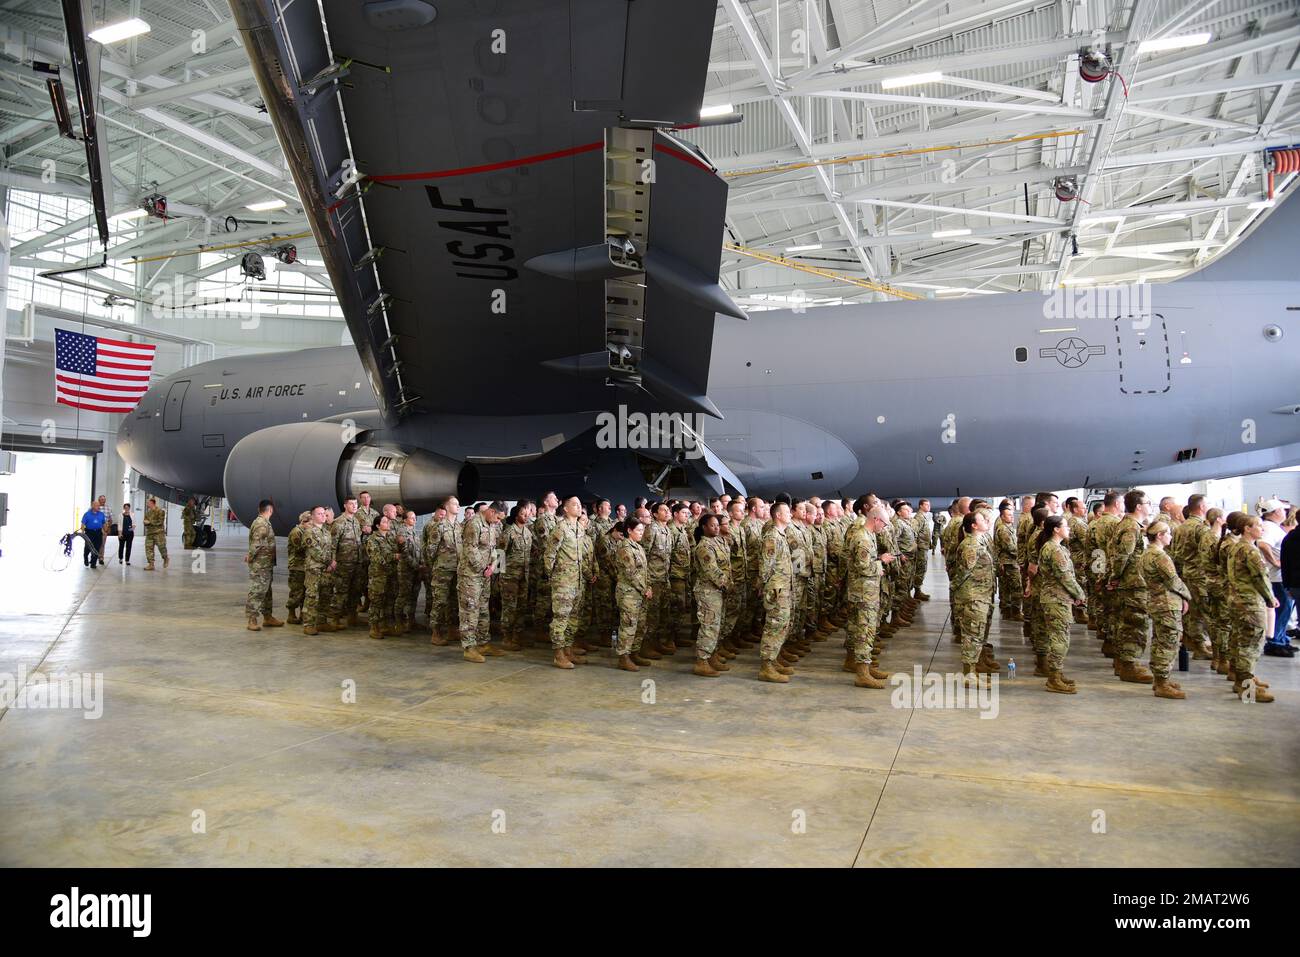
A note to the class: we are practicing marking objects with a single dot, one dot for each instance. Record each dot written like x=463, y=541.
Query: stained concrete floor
x=512, y=762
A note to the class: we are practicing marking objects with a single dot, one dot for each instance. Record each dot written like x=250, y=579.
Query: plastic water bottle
x=1011, y=667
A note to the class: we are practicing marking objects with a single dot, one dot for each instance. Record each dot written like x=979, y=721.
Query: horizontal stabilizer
x=682, y=279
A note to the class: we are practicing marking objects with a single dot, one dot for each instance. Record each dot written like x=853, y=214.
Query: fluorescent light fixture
x=947, y=233
x=1174, y=43
x=1260, y=204
x=122, y=30
x=803, y=249
x=1061, y=329
x=267, y=205
x=720, y=110
x=911, y=79
x=128, y=214
x=1078, y=282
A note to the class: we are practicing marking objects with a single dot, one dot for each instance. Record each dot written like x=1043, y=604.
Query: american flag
x=98, y=374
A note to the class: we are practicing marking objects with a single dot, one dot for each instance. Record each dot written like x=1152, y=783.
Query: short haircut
x=264, y=504
x=1133, y=498
x=1111, y=498
x=1071, y=501
x=1194, y=500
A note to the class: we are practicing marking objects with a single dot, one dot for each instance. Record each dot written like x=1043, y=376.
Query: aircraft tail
x=1266, y=252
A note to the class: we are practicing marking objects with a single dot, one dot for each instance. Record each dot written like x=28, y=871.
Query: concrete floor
x=573, y=768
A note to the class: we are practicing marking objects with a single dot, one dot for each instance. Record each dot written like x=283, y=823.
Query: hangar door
x=1143, y=346
x=175, y=400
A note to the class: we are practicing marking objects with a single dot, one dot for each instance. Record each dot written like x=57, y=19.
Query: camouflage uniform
x=712, y=560
x=1183, y=550
x=408, y=574
x=657, y=543
x=473, y=588
x=1166, y=593
x=752, y=614
x=365, y=516
x=543, y=525
x=776, y=575
x=972, y=595
x=1249, y=599
x=1024, y=533
x=862, y=591
x=188, y=516
x=261, y=566
x=155, y=534
x=735, y=598
x=801, y=561
x=886, y=544
x=345, y=531
x=1010, y=587
x=602, y=590
x=1134, y=626
x=923, y=526
x=632, y=581
x=1104, y=608
x=297, y=549
x=813, y=597
x=835, y=566
x=1216, y=590
x=381, y=560
x=1079, y=557
x=905, y=536
x=679, y=578
x=1057, y=589
x=518, y=547
x=319, y=553
x=563, y=565
x=442, y=555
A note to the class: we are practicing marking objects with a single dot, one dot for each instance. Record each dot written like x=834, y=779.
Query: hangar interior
x=890, y=149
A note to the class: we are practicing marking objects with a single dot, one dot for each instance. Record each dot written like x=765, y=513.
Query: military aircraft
x=516, y=181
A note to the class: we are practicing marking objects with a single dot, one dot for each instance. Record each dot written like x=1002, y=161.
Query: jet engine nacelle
x=303, y=464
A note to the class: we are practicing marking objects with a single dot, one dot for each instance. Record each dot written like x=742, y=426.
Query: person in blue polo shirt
x=93, y=525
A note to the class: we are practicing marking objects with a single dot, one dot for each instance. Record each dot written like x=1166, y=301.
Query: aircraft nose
x=133, y=433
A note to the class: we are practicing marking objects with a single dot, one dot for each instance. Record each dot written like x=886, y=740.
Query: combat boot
x=391, y=628
x=293, y=618
x=922, y=596
x=785, y=657
x=1092, y=623
x=1164, y=688
x=626, y=663
x=704, y=669
x=166, y=562
x=471, y=654
x=326, y=625
x=1055, y=683
x=1108, y=648
x=767, y=672
x=863, y=678
x=717, y=664
x=438, y=638
x=375, y=630
x=1222, y=666
x=969, y=673
x=560, y=660
x=510, y=643
x=1135, y=672
x=877, y=671
x=668, y=648
x=572, y=652
x=404, y=627
x=988, y=664
x=1262, y=694
x=270, y=621
x=1202, y=652
x=489, y=650
x=850, y=662
x=648, y=651
x=824, y=626
x=253, y=625
x=309, y=630
x=639, y=658
x=1041, y=669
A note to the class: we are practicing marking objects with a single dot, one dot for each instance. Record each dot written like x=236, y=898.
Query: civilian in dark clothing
x=125, y=534
x=1291, y=564
x=93, y=524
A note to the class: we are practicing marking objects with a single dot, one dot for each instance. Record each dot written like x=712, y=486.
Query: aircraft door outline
x=1142, y=348
x=175, y=403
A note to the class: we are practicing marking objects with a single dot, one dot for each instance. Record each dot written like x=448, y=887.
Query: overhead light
x=803, y=249
x=947, y=233
x=123, y=30
x=128, y=214
x=1174, y=43
x=1185, y=360
x=720, y=110
x=1061, y=329
x=1260, y=204
x=266, y=205
x=911, y=79
x=1082, y=281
